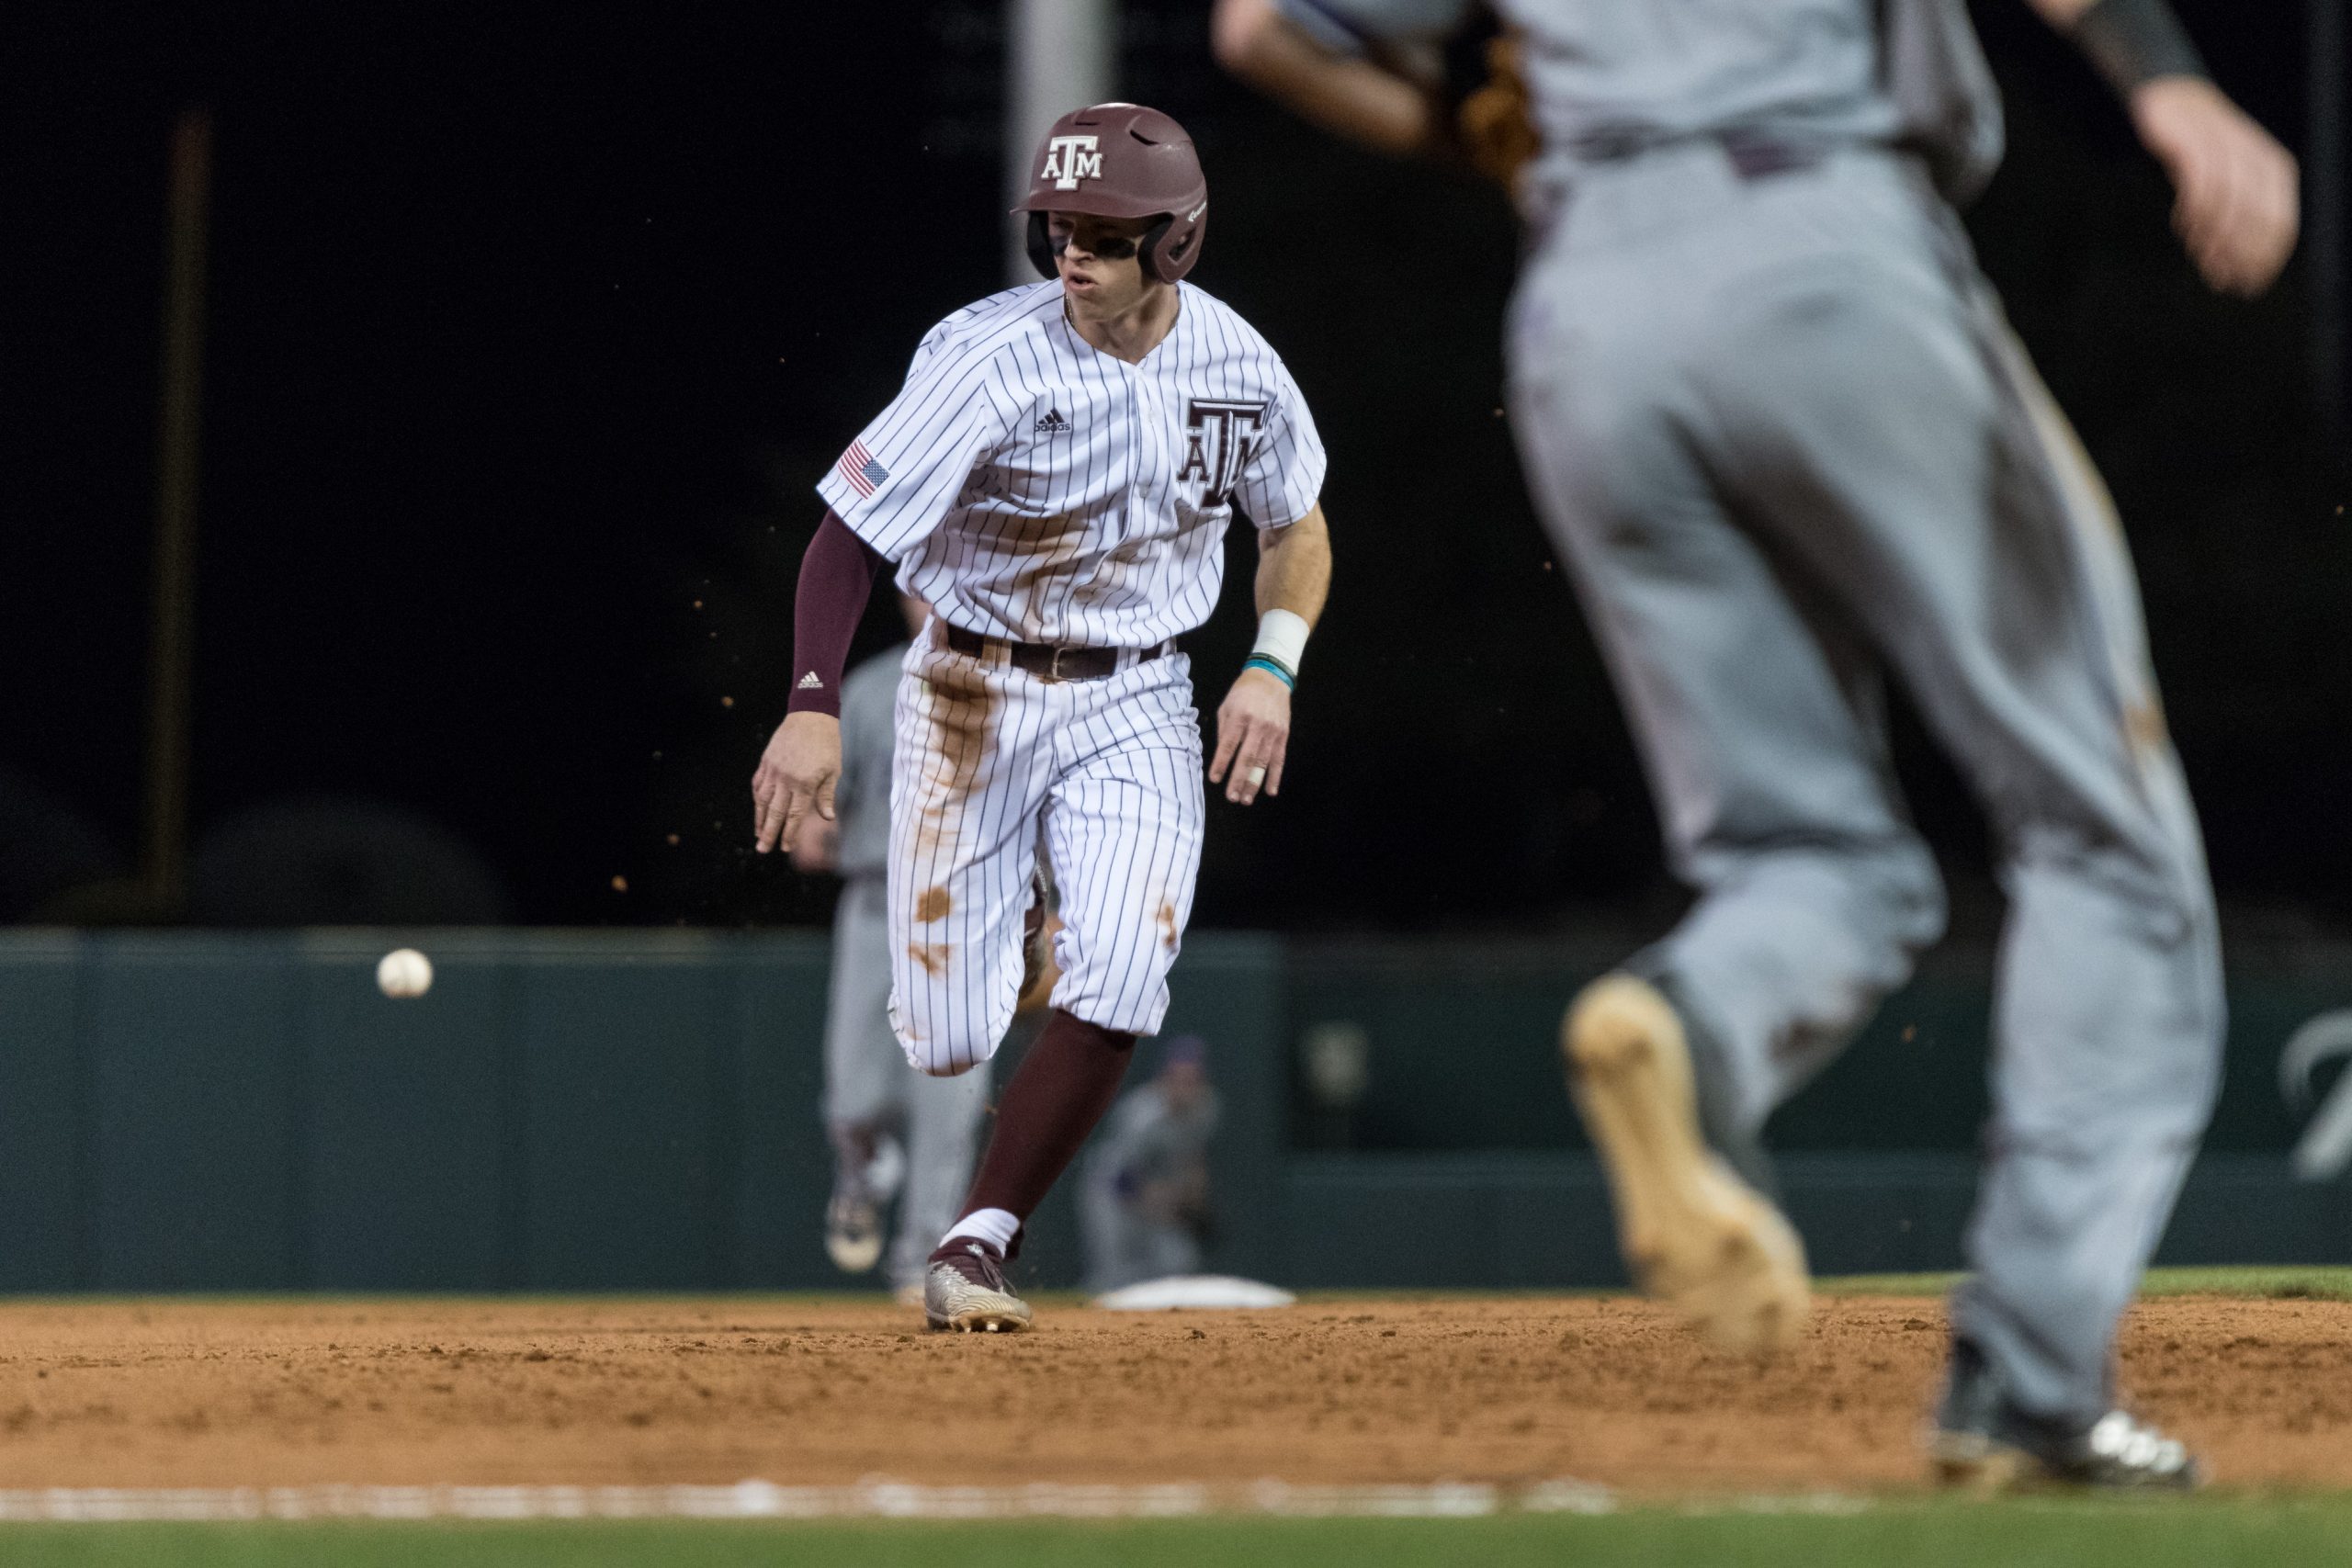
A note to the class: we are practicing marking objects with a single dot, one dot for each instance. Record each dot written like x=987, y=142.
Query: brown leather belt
x=1051, y=662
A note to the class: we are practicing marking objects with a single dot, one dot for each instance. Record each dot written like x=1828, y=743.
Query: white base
x=1212, y=1293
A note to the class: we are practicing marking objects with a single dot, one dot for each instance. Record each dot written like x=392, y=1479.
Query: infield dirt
x=175, y=1392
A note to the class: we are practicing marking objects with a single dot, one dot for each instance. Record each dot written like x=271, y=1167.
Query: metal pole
x=2324, y=168
x=166, y=843
x=1059, y=55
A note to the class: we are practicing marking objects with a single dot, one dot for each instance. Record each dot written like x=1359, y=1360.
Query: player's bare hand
x=1252, y=735
x=2237, y=210
x=796, y=775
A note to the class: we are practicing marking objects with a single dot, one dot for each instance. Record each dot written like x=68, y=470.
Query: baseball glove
x=1495, y=124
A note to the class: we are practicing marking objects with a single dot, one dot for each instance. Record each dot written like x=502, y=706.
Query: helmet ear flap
x=1041, y=246
x=1147, y=248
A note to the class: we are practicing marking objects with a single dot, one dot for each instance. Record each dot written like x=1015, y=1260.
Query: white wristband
x=1281, y=636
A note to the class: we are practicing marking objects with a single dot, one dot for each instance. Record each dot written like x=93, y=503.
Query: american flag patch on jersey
x=861, y=469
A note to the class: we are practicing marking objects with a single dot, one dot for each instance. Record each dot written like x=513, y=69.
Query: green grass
x=2198, y=1533
x=2275, y=1281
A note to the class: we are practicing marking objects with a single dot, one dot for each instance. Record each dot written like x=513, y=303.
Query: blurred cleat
x=852, y=1223
x=1982, y=1442
x=1692, y=1233
x=965, y=1289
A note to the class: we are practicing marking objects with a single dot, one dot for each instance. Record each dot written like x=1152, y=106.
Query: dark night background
x=529, y=334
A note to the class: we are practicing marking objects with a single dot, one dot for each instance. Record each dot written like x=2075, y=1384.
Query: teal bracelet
x=1273, y=667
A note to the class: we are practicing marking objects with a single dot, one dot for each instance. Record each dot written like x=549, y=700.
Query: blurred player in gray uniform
x=1783, y=437
x=1145, y=1192
x=893, y=1129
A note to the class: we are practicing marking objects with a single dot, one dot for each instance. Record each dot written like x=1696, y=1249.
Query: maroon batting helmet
x=1121, y=161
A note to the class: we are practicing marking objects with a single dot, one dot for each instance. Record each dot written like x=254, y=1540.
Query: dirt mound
x=201, y=1393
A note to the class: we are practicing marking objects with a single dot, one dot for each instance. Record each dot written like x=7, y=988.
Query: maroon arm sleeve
x=836, y=580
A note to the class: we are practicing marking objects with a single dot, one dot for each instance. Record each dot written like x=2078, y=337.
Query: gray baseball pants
x=868, y=1083
x=1784, y=438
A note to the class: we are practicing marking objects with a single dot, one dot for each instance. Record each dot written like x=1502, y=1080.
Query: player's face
x=1099, y=270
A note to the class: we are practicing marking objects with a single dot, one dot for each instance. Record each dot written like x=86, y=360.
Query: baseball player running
x=1055, y=479
x=1780, y=432
x=895, y=1132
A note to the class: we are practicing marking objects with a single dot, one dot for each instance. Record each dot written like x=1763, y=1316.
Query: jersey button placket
x=1152, y=467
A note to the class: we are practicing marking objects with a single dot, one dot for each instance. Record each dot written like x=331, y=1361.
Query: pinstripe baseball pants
x=990, y=760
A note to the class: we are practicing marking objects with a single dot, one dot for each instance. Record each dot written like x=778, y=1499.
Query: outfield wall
x=638, y=1111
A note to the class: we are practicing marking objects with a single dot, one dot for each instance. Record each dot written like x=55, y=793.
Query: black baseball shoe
x=1983, y=1442
x=964, y=1289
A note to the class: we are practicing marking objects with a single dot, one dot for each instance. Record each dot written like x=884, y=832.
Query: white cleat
x=964, y=1289
x=1693, y=1234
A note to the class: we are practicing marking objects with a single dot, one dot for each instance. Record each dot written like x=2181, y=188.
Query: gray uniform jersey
x=862, y=797
x=1609, y=77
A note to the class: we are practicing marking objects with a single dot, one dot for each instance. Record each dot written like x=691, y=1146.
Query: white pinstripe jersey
x=1031, y=487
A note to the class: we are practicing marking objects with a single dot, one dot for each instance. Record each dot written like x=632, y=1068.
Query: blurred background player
x=1780, y=432
x=1055, y=479
x=896, y=1133
x=1145, y=1192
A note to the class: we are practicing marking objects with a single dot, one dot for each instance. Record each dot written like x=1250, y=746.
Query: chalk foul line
x=874, y=1499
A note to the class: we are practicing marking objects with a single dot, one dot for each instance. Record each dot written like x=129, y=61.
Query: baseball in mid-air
x=404, y=972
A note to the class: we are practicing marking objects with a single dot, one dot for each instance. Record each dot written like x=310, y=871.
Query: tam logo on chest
x=1219, y=436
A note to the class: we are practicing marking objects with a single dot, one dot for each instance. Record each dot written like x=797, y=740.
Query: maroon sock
x=1066, y=1083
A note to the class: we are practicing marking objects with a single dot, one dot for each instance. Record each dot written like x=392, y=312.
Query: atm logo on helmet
x=1070, y=159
